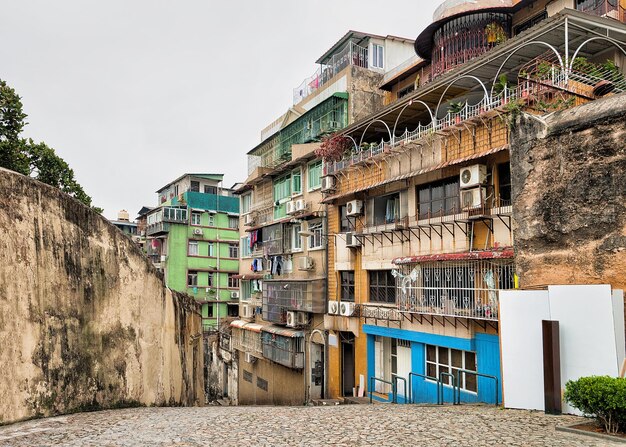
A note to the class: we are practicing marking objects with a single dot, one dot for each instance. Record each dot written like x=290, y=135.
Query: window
x=233, y=283
x=211, y=221
x=195, y=218
x=233, y=311
x=315, y=175
x=192, y=279
x=347, y=286
x=210, y=189
x=385, y=209
x=176, y=190
x=233, y=251
x=504, y=183
x=282, y=188
x=210, y=249
x=246, y=201
x=195, y=186
x=405, y=91
x=345, y=225
x=245, y=247
x=382, y=286
x=192, y=248
x=246, y=290
x=296, y=182
x=209, y=312
x=448, y=360
x=210, y=279
x=378, y=59
x=296, y=239
x=438, y=199
x=315, y=240
x=233, y=222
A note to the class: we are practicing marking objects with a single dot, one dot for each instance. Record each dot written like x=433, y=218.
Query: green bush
x=600, y=396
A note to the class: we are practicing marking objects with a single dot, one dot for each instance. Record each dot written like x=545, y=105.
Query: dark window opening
x=347, y=286
x=405, y=91
x=386, y=209
x=382, y=286
x=195, y=186
x=439, y=199
x=345, y=224
x=210, y=189
x=504, y=183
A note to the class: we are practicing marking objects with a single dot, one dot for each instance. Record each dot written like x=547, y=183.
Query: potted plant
x=495, y=33
x=334, y=147
x=500, y=86
x=456, y=107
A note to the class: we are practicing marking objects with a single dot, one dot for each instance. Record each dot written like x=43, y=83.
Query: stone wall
x=85, y=319
x=569, y=192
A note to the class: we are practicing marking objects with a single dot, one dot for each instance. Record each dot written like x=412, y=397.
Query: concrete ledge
x=604, y=437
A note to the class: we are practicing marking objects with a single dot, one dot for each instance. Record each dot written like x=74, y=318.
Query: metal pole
x=566, y=50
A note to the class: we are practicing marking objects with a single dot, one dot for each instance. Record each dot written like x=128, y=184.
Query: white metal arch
x=356, y=148
x=617, y=43
x=519, y=47
x=430, y=112
x=487, y=97
x=368, y=126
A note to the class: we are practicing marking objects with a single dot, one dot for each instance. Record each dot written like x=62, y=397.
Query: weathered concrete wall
x=569, y=192
x=85, y=320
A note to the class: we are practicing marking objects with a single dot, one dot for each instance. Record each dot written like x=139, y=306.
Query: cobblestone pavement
x=345, y=425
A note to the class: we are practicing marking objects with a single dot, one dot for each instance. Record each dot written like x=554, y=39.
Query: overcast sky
x=134, y=93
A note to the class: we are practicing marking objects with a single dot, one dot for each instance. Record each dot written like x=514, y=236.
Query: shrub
x=334, y=147
x=600, y=396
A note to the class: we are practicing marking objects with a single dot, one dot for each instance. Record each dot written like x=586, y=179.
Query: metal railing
x=373, y=380
x=351, y=54
x=247, y=341
x=395, y=378
x=412, y=374
x=467, y=289
x=467, y=371
x=440, y=389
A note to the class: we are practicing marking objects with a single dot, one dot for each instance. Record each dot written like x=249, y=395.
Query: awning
x=242, y=324
x=505, y=253
x=282, y=331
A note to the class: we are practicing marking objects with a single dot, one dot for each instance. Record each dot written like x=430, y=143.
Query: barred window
x=382, y=286
x=347, y=286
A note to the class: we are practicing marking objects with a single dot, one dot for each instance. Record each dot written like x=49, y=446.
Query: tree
x=36, y=160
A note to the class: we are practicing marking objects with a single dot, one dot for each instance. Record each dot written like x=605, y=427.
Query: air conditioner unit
x=249, y=357
x=352, y=241
x=302, y=318
x=472, y=176
x=473, y=198
x=346, y=309
x=300, y=205
x=291, y=319
x=328, y=183
x=247, y=311
x=354, y=208
x=333, y=307
x=291, y=207
x=248, y=219
x=234, y=295
x=306, y=263
x=197, y=231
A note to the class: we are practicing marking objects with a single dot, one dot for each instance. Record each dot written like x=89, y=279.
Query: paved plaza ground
x=344, y=425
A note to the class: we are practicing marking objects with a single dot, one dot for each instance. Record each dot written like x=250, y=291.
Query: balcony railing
x=603, y=8
x=529, y=88
x=464, y=289
x=282, y=296
x=247, y=340
x=351, y=54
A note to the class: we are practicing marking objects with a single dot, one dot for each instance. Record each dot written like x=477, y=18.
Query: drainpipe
x=217, y=237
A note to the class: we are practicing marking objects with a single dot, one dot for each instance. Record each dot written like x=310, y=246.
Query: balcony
x=351, y=54
x=283, y=346
x=160, y=220
x=603, y=8
x=460, y=288
x=246, y=337
x=282, y=296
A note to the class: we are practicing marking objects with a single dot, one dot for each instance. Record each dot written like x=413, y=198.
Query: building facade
x=281, y=347
x=420, y=215
x=193, y=237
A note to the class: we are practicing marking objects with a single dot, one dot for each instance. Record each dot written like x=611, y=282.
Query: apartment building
x=281, y=349
x=193, y=237
x=420, y=211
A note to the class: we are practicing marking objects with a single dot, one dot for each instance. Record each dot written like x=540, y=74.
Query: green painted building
x=193, y=237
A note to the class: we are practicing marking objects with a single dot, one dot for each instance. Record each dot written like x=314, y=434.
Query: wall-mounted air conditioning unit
x=300, y=205
x=333, y=307
x=302, y=318
x=354, y=208
x=306, y=263
x=234, y=295
x=328, y=183
x=248, y=219
x=247, y=311
x=352, y=241
x=346, y=309
x=249, y=357
x=291, y=319
x=473, y=198
x=197, y=231
x=291, y=207
x=472, y=176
